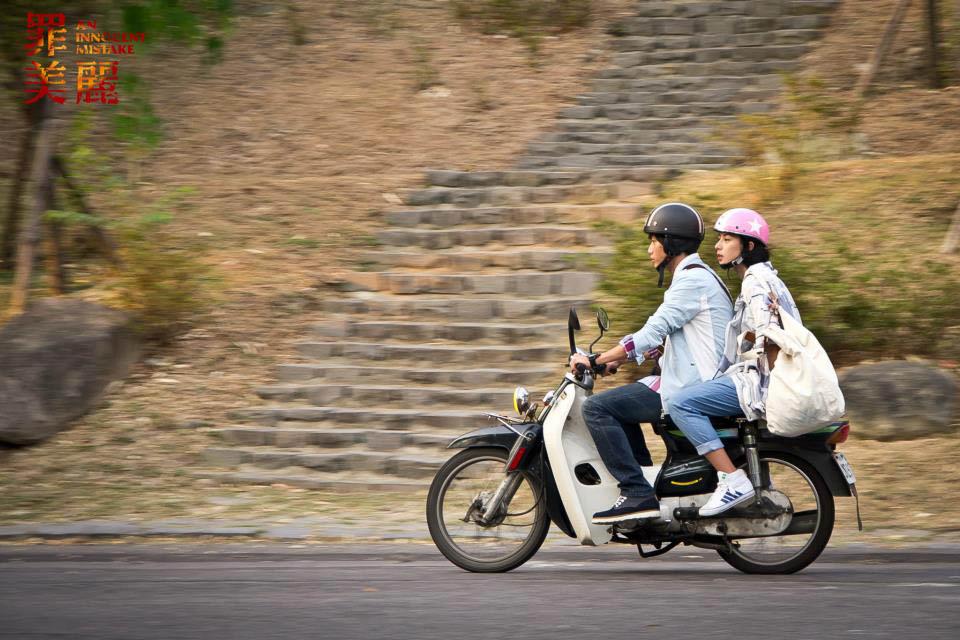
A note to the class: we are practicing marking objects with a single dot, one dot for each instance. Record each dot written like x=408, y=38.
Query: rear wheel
x=457, y=496
x=811, y=527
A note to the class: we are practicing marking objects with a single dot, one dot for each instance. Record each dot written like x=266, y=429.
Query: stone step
x=467, y=307
x=763, y=53
x=689, y=9
x=680, y=153
x=412, y=465
x=482, y=355
x=678, y=160
x=588, y=193
x=474, y=260
x=703, y=151
x=679, y=96
x=308, y=479
x=633, y=111
x=690, y=135
x=760, y=38
x=422, y=419
x=472, y=332
x=719, y=67
x=507, y=236
x=515, y=178
x=376, y=440
x=563, y=283
x=327, y=394
x=568, y=213
x=640, y=124
x=674, y=82
x=521, y=375
x=719, y=23
x=613, y=161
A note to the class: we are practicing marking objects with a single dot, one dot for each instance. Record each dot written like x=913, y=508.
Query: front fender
x=494, y=436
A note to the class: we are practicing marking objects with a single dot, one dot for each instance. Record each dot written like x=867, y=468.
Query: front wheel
x=806, y=537
x=457, y=496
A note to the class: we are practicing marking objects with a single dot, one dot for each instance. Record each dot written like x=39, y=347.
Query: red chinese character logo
x=43, y=78
x=42, y=32
x=97, y=82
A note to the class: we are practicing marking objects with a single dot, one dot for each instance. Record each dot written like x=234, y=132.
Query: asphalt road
x=261, y=592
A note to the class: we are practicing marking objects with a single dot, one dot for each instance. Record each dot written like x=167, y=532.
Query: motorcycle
x=490, y=506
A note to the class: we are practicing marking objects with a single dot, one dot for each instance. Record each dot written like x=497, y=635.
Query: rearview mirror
x=603, y=320
x=573, y=324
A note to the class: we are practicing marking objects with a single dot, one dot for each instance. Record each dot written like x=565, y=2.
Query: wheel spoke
x=462, y=494
x=805, y=531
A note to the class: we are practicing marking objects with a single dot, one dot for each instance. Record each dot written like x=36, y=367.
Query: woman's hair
x=759, y=253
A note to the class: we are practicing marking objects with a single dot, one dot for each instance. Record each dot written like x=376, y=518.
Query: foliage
x=629, y=280
x=162, y=281
x=425, y=74
x=855, y=243
x=812, y=125
x=524, y=18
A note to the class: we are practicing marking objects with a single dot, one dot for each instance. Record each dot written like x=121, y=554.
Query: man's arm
x=681, y=303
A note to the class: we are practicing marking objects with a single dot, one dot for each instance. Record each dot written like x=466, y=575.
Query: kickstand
x=658, y=551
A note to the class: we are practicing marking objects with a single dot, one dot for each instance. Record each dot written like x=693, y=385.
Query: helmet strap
x=661, y=269
x=733, y=263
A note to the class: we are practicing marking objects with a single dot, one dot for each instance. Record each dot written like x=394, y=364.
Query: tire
x=816, y=543
x=445, y=541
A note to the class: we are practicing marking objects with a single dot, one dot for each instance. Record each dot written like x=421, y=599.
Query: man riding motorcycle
x=690, y=324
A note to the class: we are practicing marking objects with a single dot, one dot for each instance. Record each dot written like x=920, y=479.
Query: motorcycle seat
x=719, y=422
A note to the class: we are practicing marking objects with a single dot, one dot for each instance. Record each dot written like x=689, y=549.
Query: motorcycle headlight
x=521, y=401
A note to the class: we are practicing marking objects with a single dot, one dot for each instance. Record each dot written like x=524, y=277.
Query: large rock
x=898, y=400
x=57, y=358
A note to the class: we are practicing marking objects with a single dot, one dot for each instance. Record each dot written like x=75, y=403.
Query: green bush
x=857, y=306
x=162, y=281
x=811, y=125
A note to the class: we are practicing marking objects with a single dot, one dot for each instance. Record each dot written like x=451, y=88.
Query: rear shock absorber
x=748, y=434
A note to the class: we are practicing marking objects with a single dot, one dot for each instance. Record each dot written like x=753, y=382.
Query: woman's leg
x=691, y=409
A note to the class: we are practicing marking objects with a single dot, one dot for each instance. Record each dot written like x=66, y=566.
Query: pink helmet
x=744, y=222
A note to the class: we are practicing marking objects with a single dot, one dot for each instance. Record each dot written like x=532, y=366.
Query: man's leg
x=610, y=416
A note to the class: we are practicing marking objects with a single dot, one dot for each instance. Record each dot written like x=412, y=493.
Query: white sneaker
x=732, y=489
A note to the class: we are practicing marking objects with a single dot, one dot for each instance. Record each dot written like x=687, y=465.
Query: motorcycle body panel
x=493, y=436
x=570, y=447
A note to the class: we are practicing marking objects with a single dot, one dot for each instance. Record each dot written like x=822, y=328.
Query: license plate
x=845, y=468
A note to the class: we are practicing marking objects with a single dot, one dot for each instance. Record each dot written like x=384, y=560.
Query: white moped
x=490, y=506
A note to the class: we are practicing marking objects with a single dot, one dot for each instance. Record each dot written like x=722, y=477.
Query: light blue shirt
x=691, y=324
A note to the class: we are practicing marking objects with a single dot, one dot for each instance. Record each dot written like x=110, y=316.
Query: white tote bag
x=804, y=394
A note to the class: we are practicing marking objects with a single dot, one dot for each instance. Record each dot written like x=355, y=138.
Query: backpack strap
x=715, y=276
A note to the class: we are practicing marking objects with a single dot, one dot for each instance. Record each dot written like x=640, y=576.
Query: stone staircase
x=467, y=294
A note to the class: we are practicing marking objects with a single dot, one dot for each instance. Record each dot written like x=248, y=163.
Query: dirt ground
x=294, y=153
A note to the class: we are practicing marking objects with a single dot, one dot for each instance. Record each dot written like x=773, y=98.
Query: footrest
x=686, y=513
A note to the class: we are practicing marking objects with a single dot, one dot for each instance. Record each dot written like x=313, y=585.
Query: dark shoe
x=626, y=508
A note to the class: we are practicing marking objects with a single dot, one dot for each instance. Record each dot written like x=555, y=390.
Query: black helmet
x=679, y=226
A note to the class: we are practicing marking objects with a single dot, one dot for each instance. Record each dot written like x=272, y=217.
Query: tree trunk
x=952, y=241
x=103, y=240
x=12, y=222
x=933, y=43
x=53, y=250
x=883, y=48
x=40, y=176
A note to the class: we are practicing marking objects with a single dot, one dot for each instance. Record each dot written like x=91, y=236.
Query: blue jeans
x=691, y=406
x=613, y=418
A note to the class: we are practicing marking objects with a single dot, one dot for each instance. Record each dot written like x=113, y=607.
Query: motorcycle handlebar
x=599, y=369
